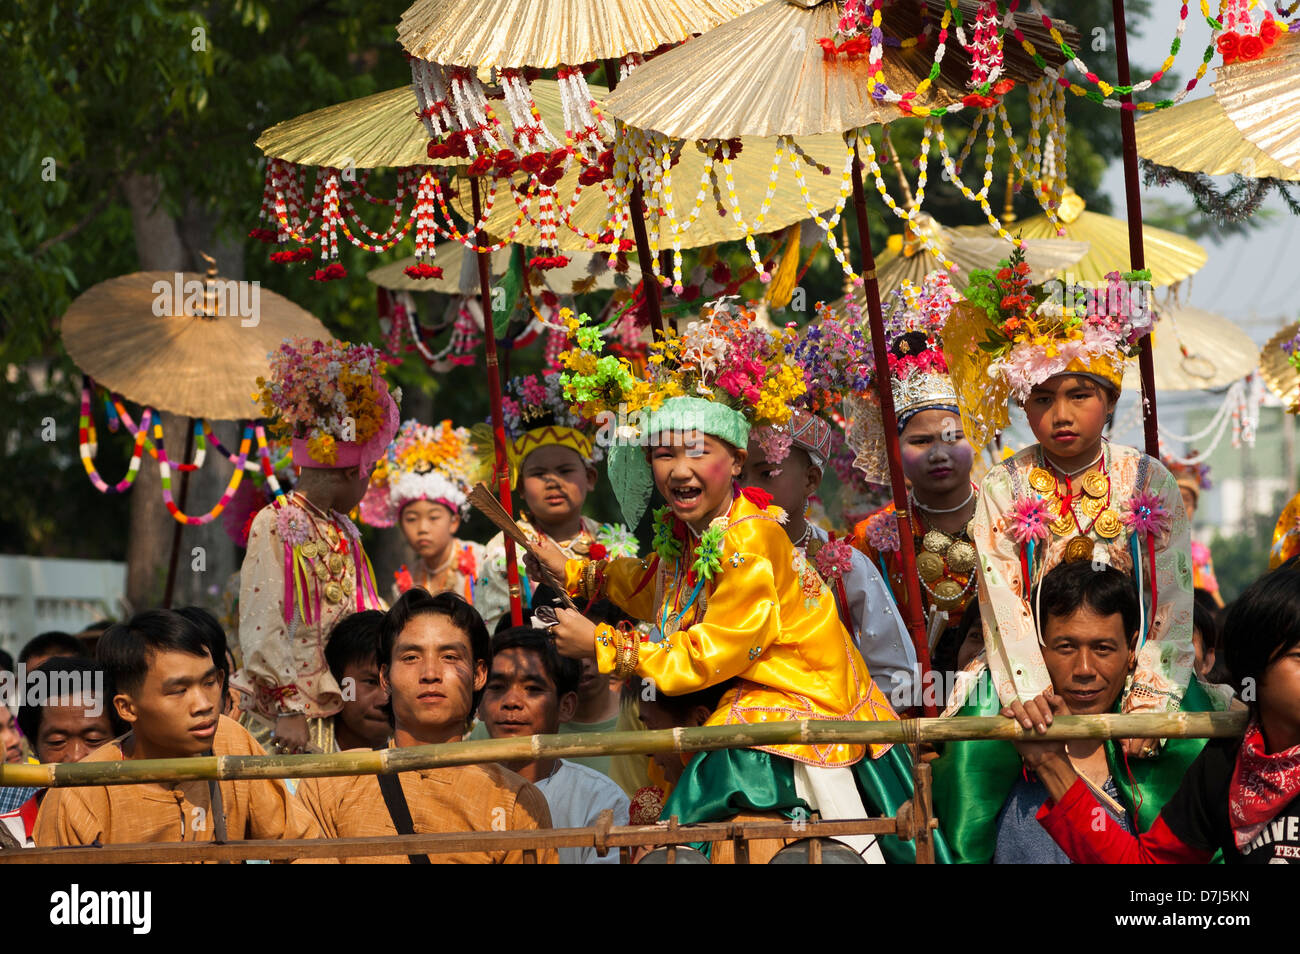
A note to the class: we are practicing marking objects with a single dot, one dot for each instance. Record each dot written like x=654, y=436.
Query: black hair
x=75, y=667
x=215, y=636
x=564, y=672
x=1261, y=625
x=680, y=707
x=6, y=661
x=948, y=648
x=1100, y=587
x=125, y=649
x=417, y=602
x=52, y=643
x=354, y=639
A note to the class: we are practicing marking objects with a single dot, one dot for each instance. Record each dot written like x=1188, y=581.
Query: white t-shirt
x=577, y=795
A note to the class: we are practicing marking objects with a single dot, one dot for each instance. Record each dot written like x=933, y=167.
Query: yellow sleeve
x=741, y=620
x=623, y=579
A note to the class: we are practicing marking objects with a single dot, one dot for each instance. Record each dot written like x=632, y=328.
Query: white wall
x=37, y=595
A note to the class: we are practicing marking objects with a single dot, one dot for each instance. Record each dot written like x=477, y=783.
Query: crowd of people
x=1061, y=581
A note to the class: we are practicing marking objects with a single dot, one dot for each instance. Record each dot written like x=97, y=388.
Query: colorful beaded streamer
x=164, y=469
x=88, y=447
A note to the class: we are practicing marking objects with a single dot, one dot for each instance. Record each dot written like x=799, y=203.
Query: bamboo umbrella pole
x=649, y=284
x=172, y=563
x=1133, y=201
x=912, y=611
x=494, y=397
x=1153, y=725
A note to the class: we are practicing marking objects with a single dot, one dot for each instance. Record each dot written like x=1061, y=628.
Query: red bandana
x=1262, y=785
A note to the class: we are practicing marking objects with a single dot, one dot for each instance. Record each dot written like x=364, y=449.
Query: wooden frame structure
x=914, y=821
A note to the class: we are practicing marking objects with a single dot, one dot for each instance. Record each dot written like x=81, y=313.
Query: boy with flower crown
x=305, y=568
x=730, y=597
x=552, y=457
x=422, y=485
x=1071, y=497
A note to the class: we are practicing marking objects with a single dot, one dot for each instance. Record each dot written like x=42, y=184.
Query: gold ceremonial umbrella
x=750, y=168
x=550, y=33
x=460, y=275
x=1199, y=137
x=459, y=272
x=1169, y=256
x=1278, y=373
x=381, y=130
x=907, y=258
x=138, y=335
x=1261, y=98
x=764, y=74
x=1196, y=350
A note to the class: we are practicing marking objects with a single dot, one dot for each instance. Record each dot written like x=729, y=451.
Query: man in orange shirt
x=168, y=689
x=433, y=662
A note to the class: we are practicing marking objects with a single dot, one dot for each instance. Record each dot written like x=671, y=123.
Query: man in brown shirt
x=433, y=656
x=168, y=689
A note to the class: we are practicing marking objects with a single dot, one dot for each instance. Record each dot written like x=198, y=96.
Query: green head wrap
x=629, y=469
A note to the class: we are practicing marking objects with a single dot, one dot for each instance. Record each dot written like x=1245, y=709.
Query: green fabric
x=973, y=779
x=724, y=783
x=629, y=466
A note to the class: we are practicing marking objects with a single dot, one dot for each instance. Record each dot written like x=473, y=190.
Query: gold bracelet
x=627, y=653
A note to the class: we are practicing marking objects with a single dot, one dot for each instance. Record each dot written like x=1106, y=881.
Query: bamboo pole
x=912, y=613
x=500, y=463
x=1172, y=725
x=1137, y=254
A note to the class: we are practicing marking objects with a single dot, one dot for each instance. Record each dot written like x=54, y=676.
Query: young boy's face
x=428, y=527
x=1088, y=657
x=790, y=482
x=935, y=454
x=521, y=698
x=1068, y=414
x=364, y=715
x=695, y=474
x=432, y=676
x=554, y=482
x=177, y=706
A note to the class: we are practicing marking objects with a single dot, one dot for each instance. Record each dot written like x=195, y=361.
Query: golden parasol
x=1169, y=256
x=907, y=259
x=549, y=33
x=1196, y=350
x=1275, y=367
x=751, y=168
x=460, y=276
x=143, y=336
x=1199, y=137
x=1261, y=97
x=764, y=74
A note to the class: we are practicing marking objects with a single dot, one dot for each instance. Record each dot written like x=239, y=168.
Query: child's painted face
x=1068, y=414
x=695, y=474
x=555, y=482
x=936, y=455
x=428, y=527
x=790, y=482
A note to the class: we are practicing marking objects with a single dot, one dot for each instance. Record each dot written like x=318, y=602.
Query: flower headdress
x=536, y=415
x=720, y=376
x=914, y=317
x=330, y=397
x=422, y=463
x=835, y=359
x=1011, y=335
